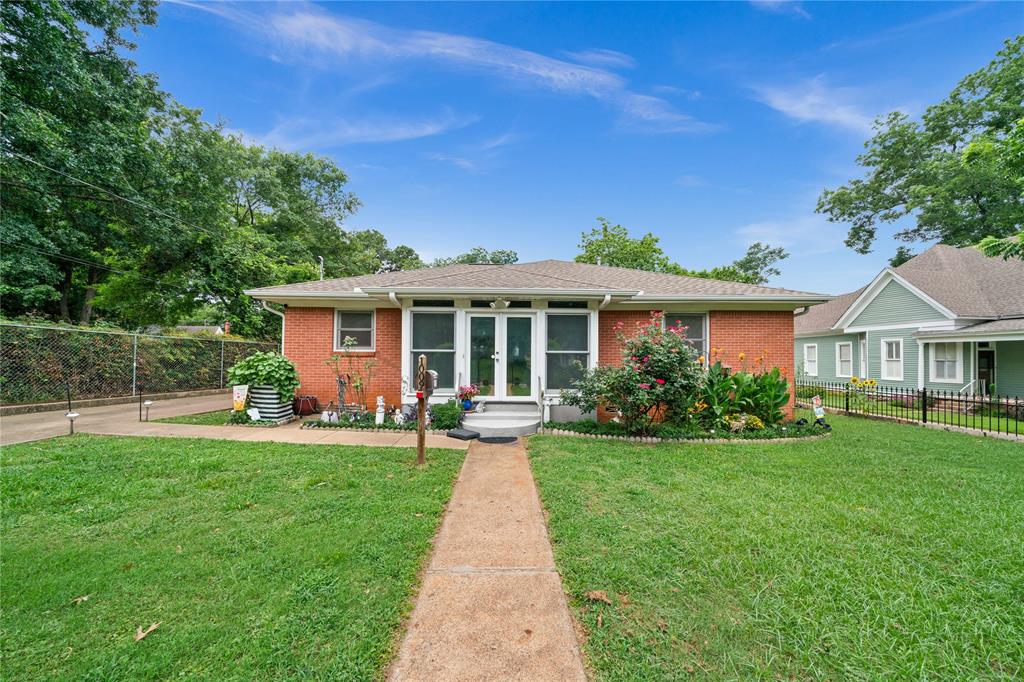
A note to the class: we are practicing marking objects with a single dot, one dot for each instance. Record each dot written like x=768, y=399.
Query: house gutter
x=279, y=314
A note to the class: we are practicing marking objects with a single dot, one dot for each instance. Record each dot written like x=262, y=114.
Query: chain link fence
x=37, y=363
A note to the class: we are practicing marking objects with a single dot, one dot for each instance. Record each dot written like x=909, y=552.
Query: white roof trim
x=872, y=290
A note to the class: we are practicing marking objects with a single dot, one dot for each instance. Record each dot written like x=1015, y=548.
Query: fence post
x=847, y=399
x=222, y=363
x=923, y=397
x=135, y=361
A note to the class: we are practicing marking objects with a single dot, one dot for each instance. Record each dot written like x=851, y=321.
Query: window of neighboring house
x=357, y=325
x=844, y=359
x=945, y=362
x=695, y=328
x=433, y=335
x=811, y=359
x=568, y=343
x=892, y=359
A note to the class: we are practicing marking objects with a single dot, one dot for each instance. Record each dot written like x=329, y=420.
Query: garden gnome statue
x=380, y=411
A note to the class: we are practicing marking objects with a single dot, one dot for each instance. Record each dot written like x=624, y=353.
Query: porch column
x=920, y=364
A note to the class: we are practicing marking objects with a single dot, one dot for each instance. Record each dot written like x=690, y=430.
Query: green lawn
x=884, y=552
x=215, y=418
x=258, y=560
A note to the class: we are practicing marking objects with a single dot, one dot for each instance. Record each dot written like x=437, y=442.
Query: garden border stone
x=653, y=440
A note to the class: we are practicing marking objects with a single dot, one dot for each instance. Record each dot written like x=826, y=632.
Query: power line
x=94, y=264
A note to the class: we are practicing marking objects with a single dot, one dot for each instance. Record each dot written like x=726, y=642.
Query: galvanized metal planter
x=268, y=402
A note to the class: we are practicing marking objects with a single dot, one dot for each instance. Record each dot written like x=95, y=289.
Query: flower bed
x=672, y=434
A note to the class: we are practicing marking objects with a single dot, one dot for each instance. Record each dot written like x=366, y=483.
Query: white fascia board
x=823, y=332
x=876, y=286
x=964, y=337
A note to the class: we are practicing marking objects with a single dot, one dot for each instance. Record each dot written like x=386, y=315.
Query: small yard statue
x=819, y=413
x=379, y=419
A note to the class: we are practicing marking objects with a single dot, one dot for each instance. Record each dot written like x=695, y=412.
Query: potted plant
x=466, y=395
x=272, y=381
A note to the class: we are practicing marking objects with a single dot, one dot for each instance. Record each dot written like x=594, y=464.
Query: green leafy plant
x=659, y=378
x=350, y=372
x=445, y=416
x=266, y=369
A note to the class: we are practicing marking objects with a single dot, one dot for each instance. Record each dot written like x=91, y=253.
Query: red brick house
x=518, y=330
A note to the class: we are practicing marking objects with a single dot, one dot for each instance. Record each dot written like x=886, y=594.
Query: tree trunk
x=65, y=292
x=90, y=293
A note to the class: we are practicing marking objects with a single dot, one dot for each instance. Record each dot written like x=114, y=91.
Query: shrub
x=267, y=369
x=445, y=416
x=761, y=393
x=659, y=377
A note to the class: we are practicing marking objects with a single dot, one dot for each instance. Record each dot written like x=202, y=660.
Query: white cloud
x=806, y=234
x=304, y=133
x=782, y=7
x=601, y=57
x=313, y=35
x=457, y=161
x=814, y=101
x=681, y=92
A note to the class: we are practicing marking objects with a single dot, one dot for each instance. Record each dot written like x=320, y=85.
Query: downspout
x=279, y=314
x=394, y=299
x=604, y=304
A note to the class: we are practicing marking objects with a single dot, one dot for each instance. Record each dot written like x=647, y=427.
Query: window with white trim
x=946, y=362
x=356, y=325
x=892, y=359
x=844, y=359
x=694, y=323
x=567, y=349
x=811, y=359
x=433, y=335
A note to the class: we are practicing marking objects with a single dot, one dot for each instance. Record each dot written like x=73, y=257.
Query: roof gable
x=900, y=303
x=967, y=282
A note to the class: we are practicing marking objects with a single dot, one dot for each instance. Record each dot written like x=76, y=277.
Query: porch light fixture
x=499, y=304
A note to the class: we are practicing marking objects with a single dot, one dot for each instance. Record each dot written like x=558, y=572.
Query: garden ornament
x=380, y=411
x=330, y=415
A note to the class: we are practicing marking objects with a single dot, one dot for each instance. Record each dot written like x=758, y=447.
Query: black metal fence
x=990, y=413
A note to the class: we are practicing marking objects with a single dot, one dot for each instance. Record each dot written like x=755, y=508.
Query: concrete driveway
x=20, y=428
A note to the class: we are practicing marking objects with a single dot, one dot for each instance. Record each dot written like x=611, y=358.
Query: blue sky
x=516, y=125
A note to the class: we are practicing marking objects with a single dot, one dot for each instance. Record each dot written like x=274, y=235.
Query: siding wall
x=827, y=356
x=895, y=304
x=1010, y=368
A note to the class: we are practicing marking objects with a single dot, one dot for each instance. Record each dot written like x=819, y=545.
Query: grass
x=258, y=560
x=215, y=418
x=885, y=552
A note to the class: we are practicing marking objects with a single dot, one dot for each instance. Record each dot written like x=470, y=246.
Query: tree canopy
x=121, y=202
x=609, y=244
x=477, y=255
x=957, y=173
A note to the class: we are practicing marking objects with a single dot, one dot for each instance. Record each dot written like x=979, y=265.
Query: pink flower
x=660, y=381
x=645, y=386
x=647, y=358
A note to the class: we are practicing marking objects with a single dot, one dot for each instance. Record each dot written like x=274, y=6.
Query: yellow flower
x=742, y=357
x=701, y=359
x=854, y=380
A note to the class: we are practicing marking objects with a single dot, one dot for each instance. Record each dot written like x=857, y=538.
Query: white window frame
x=958, y=377
x=355, y=349
x=807, y=362
x=839, y=363
x=454, y=350
x=704, y=326
x=884, y=363
x=590, y=353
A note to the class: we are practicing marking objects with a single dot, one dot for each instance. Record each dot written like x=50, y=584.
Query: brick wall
x=754, y=333
x=735, y=332
x=308, y=341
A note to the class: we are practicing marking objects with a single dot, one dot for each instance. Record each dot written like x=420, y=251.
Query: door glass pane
x=481, y=353
x=518, y=334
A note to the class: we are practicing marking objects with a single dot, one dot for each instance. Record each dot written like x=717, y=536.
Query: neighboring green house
x=948, y=319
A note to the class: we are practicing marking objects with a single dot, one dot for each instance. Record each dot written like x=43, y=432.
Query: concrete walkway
x=491, y=606
x=123, y=420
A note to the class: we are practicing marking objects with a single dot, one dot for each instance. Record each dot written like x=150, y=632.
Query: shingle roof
x=546, y=275
x=1010, y=324
x=967, y=282
x=822, y=317
x=964, y=280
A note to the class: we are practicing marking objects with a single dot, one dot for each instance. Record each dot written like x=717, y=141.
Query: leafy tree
x=479, y=255
x=609, y=244
x=948, y=171
x=902, y=255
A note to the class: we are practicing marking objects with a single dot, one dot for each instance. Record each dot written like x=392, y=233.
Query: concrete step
x=508, y=424
x=496, y=406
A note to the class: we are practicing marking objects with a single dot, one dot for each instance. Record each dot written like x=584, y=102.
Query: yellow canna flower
x=742, y=357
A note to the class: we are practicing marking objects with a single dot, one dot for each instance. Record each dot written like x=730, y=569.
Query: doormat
x=498, y=440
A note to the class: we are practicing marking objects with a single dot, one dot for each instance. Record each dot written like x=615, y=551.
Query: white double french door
x=501, y=355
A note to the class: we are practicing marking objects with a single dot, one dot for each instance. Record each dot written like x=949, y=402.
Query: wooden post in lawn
x=421, y=409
